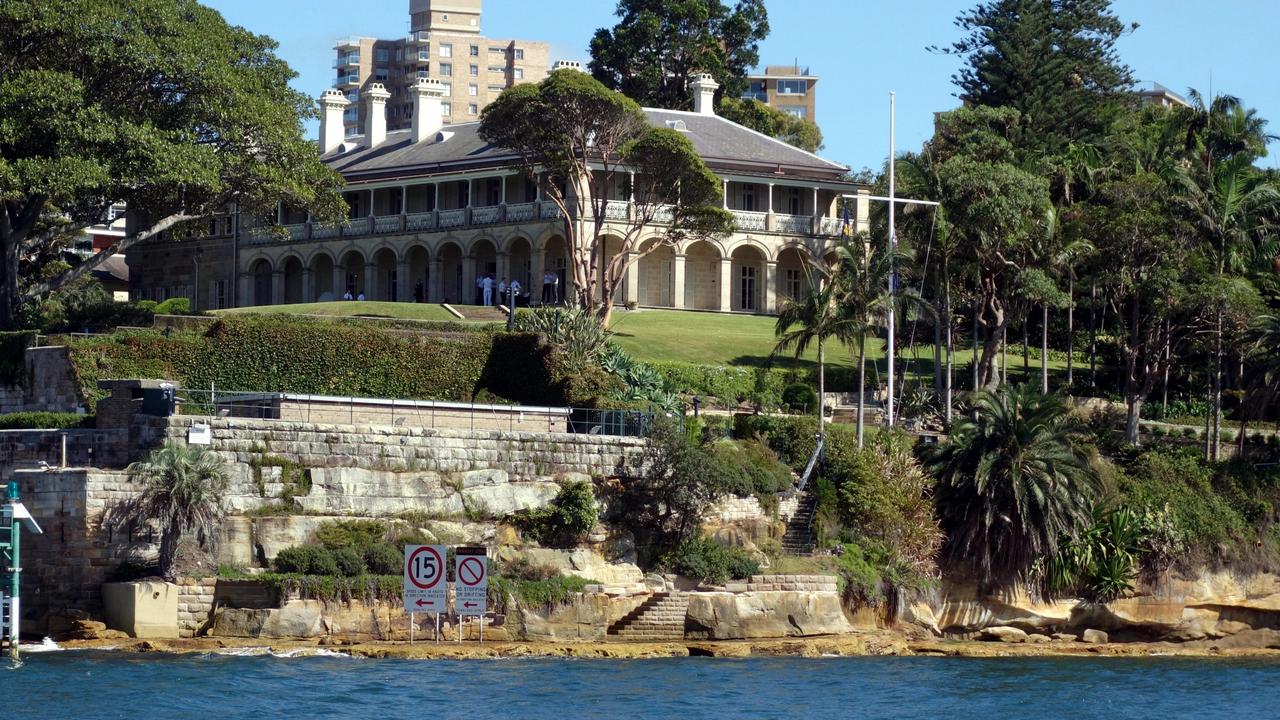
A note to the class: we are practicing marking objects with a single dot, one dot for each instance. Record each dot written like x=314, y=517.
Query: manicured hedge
x=734, y=385
x=44, y=421
x=322, y=357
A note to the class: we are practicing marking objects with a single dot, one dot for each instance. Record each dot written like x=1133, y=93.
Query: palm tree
x=862, y=299
x=1013, y=481
x=812, y=319
x=182, y=492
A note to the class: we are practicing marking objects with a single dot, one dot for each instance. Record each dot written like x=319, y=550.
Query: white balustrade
x=486, y=215
x=797, y=224
x=549, y=210
x=663, y=214
x=522, y=212
x=321, y=231
x=616, y=209
x=453, y=218
x=749, y=221
x=833, y=226
x=417, y=222
x=297, y=232
x=386, y=224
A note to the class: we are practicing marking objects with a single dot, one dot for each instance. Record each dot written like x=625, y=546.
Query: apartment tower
x=444, y=43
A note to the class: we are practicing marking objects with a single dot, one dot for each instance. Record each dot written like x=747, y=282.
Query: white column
x=771, y=286
x=633, y=281
x=277, y=287
x=677, y=282
x=339, y=281
x=537, y=268
x=468, y=280
x=726, y=194
x=502, y=199
x=369, y=283
x=404, y=288
x=726, y=284
x=435, y=202
x=308, y=285
x=435, y=284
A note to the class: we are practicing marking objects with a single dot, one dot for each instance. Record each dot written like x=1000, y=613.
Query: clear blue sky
x=862, y=49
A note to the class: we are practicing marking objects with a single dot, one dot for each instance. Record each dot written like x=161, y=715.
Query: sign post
x=425, y=589
x=471, y=573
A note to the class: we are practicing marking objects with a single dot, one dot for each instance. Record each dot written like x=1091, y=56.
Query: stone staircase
x=799, y=540
x=658, y=619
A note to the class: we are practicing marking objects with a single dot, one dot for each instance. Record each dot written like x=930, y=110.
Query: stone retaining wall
x=49, y=385
x=195, y=604
x=733, y=509
x=773, y=583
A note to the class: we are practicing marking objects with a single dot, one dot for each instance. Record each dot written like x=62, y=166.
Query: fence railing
x=350, y=410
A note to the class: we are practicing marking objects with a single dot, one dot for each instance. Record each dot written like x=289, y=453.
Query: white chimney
x=427, y=119
x=567, y=65
x=375, y=120
x=332, y=104
x=704, y=93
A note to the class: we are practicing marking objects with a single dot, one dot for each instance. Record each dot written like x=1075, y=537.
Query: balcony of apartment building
x=350, y=59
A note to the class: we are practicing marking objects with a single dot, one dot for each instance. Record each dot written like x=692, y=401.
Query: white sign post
x=471, y=584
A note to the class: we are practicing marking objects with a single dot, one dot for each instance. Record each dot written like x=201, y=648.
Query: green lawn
x=353, y=308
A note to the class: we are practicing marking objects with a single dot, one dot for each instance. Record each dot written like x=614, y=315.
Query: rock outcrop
x=734, y=616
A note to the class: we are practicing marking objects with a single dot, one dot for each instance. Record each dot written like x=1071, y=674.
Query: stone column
x=339, y=281
x=504, y=268
x=537, y=268
x=468, y=280
x=633, y=281
x=726, y=284
x=404, y=284
x=246, y=289
x=677, y=282
x=277, y=287
x=369, y=283
x=308, y=285
x=771, y=286
x=435, y=284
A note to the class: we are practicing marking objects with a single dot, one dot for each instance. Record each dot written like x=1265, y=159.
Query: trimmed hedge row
x=733, y=385
x=319, y=357
x=44, y=421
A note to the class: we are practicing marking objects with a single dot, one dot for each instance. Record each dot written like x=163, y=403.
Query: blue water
x=88, y=685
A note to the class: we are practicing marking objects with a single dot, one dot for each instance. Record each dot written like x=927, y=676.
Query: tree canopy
x=595, y=145
x=749, y=112
x=658, y=45
x=159, y=104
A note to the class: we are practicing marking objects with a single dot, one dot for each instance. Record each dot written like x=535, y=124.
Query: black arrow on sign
x=469, y=604
x=421, y=602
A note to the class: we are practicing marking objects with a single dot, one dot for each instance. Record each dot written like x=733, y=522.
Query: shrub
x=350, y=561
x=306, y=560
x=44, y=420
x=565, y=520
x=800, y=398
x=708, y=561
x=749, y=468
x=174, y=306
x=383, y=559
x=356, y=534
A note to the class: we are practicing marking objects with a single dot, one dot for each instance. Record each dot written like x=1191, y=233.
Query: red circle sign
x=424, y=568
x=471, y=571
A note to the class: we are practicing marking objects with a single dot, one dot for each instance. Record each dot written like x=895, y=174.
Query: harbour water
x=90, y=685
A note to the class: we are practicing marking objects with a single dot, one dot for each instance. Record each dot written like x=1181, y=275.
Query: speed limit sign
x=425, y=589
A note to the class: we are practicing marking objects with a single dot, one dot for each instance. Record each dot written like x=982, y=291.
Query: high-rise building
x=789, y=88
x=445, y=44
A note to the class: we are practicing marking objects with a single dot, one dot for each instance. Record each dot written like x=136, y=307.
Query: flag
x=845, y=230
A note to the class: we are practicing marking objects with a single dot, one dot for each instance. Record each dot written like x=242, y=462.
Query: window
x=756, y=91
x=220, y=294
x=227, y=224
x=424, y=55
x=474, y=70
x=793, y=280
x=353, y=95
x=518, y=73
x=794, y=203
x=399, y=54
x=496, y=50
x=791, y=87
x=350, y=115
x=446, y=68
x=519, y=53
x=749, y=198
x=446, y=50
x=381, y=55
x=796, y=110
x=747, y=288
x=446, y=108
x=472, y=90
x=380, y=75
x=448, y=88
x=423, y=73
x=475, y=51
x=473, y=109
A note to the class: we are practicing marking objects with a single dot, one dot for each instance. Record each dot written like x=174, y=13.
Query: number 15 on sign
x=425, y=589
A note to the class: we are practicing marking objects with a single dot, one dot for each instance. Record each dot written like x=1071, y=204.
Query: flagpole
x=893, y=249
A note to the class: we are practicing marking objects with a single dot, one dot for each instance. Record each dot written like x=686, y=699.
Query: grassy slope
x=352, y=308
x=715, y=339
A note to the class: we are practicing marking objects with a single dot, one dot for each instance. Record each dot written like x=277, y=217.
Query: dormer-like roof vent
x=443, y=135
x=678, y=125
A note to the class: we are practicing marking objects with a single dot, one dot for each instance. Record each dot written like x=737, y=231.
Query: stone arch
x=611, y=246
x=519, y=251
x=261, y=272
x=795, y=274
x=323, y=277
x=484, y=259
x=657, y=275
x=292, y=271
x=747, y=274
x=417, y=286
x=352, y=267
x=702, y=276
x=451, y=271
x=766, y=252
x=555, y=260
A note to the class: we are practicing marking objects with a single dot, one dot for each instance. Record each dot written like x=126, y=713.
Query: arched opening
x=451, y=274
x=261, y=272
x=418, y=284
x=612, y=246
x=657, y=277
x=386, y=285
x=793, y=275
x=702, y=277
x=520, y=262
x=293, y=292
x=353, y=279
x=748, y=276
x=485, y=257
x=557, y=277
x=322, y=276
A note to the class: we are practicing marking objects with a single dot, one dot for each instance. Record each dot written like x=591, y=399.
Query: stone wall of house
x=48, y=384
